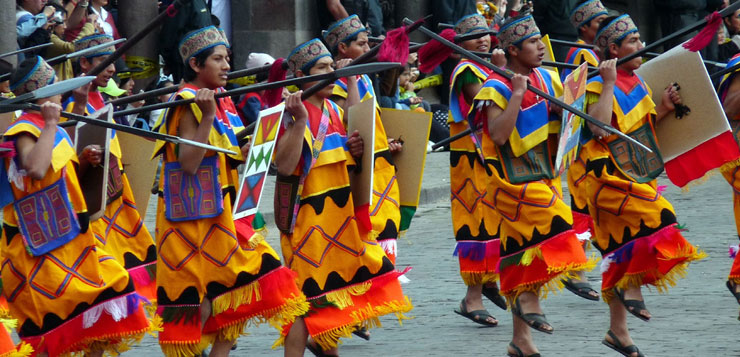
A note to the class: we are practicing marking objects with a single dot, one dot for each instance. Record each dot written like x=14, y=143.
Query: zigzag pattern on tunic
x=456, y=195
x=110, y=222
x=203, y=250
x=383, y=196
x=332, y=240
x=521, y=200
x=72, y=272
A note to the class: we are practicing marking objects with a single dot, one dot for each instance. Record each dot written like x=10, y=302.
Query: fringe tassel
x=553, y=284
x=478, y=278
x=390, y=246
x=729, y=166
x=187, y=349
x=112, y=345
x=529, y=255
x=342, y=299
x=365, y=317
x=733, y=250
x=22, y=350
x=257, y=238
x=175, y=314
x=664, y=281
x=237, y=297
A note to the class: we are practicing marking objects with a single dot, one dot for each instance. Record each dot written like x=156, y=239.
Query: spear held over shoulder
x=537, y=91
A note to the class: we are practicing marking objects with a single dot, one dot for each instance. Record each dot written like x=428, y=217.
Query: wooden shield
x=139, y=169
x=707, y=119
x=413, y=129
x=362, y=118
x=94, y=182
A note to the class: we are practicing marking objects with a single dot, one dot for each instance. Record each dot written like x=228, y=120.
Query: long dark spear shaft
x=132, y=130
x=537, y=91
x=148, y=29
x=724, y=13
x=544, y=63
x=725, y=71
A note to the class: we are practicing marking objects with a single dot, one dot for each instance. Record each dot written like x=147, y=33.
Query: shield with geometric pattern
x=258, y=161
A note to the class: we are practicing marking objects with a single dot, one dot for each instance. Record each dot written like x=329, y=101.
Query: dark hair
x=23, y=70
x=189, y=74
x=605, y=51
x=215, y=20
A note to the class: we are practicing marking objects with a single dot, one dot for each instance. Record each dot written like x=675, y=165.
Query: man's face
x=589, y=30
x=630, y=45
x=34, y=6
x=480, y=44
x=214, y=72
x=323, y=65
x=733, y=23
x=355, y=48
x=531, y=53
x=87, y=64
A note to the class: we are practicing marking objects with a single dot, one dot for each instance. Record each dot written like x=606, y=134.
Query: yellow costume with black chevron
x=538, y=243
x=343, y=272
x=385, y=214
x=121, y=230
x=75, y=297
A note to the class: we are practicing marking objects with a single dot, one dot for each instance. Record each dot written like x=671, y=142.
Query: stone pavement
x=696, y=318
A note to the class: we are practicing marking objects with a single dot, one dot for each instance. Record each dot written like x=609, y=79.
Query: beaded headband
x=342, y=30
x=615, y=31
x=305, y=56
x=200, y=40
x=40, y=76
x=471, y=23
x=517, y=31
x=94, y=40
x=586, y=12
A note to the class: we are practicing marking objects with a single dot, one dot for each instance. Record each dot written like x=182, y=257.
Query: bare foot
x=530, y=303
x=473, y=304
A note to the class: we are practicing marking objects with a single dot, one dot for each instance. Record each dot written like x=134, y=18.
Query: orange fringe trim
x=726, y=167
x=22, y=350
x=113, y=344
x=664, y=281
x=366, y=317
x=552, y=284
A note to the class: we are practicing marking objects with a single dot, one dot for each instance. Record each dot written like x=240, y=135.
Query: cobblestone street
x=698, y=317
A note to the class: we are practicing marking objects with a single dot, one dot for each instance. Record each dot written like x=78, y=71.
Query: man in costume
x=121, y=231
x=586, y=18
x=474, y=219
x=729, y=94
x=538, y=244
x=635, y=227
x=347, y=39
x=212, y=279
x=343, y=272
x=68, y=294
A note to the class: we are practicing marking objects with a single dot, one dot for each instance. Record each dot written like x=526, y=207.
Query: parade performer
x=68, y=294
x=121, y=231
x=538, y=244
x=474, y=219
x=347, y=40
x=345, y=274
x=586, y=18
x=212, y=280
x=635, y=227
x=729, y=94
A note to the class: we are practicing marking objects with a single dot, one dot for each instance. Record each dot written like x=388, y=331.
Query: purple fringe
x=475, y=251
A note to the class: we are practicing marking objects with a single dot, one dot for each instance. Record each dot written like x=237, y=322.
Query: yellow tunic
x=344, y=273
x=475, y=221
x=538, y=243
x=65, y=300
x=635, y=227
x=385, y=214
x=121, y=231
x=207, y=258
